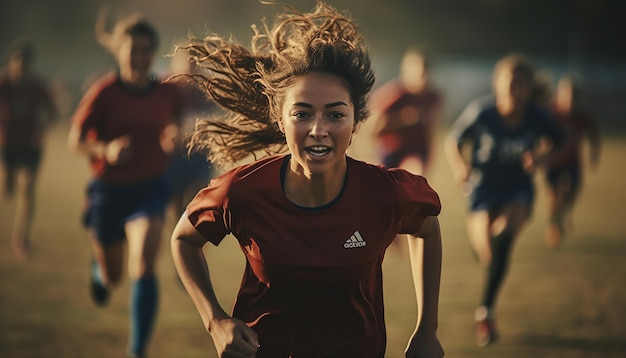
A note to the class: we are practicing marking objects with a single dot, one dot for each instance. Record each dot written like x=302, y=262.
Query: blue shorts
x=490, y=199
x=110, y=206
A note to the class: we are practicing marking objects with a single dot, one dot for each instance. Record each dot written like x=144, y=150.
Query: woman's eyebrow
x=334, y=104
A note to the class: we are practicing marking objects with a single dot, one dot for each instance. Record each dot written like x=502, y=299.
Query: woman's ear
x=354, y=129
x=281, y=127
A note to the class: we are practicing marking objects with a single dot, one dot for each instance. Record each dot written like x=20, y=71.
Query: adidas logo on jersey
x=354, y=241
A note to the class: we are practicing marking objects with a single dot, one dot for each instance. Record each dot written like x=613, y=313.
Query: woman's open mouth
x=318, y=151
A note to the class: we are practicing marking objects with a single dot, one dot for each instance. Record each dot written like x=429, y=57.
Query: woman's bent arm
x=232, y=338
x=425, y=253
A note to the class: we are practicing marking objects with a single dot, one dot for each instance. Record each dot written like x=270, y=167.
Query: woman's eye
x=300, y=115
x=336, y=115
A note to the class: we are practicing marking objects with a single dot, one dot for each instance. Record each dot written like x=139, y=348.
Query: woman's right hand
x=233, y=338
x=118, y=150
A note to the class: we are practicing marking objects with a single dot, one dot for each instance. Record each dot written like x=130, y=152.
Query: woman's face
x=318, y=122
x=513, y=88
x=19, y=65
x=413, y=71
x=565, y=95
x=135, y=56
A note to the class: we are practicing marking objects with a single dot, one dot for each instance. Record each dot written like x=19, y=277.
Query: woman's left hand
x=424, y=346
x=168, y=138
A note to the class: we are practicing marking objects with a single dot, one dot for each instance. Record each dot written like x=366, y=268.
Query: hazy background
x=465, y=38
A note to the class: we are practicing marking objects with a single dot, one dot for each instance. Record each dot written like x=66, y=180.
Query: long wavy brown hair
x=250, y=84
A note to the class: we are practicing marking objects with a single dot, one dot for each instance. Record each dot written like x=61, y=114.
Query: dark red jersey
x=579, y=126
x=410, y=117
x=23, y=111
x=110, y=109
x=312, y=286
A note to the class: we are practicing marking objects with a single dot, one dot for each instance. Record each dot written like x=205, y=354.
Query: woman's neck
x=510, y=112
x=313, y=190
x=414, y=86
x=135, y=80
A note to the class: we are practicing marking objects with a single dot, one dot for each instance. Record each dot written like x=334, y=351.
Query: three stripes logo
x=354, y=241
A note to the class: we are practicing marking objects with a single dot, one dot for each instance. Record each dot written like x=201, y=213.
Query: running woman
x=27, y=109
x=565, y=178
x=503, y=132
x=312, y=223
x=407, y=110
x=189, y=171
x=125, y=126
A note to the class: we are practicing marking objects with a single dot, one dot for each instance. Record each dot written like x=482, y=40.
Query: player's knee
x=139, y=269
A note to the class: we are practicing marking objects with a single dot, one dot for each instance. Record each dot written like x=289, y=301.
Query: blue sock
x=96, y=273
x=143, y=307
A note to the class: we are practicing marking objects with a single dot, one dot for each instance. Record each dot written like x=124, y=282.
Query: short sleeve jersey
x=411, y=115
x=313, y=283
x=497, y=150
x=110, y=109
x=22, y=110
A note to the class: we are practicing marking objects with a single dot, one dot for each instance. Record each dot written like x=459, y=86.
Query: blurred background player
x=27, y=110
x=189, y=171
x=125, y=125
x=564, y=178
x=503, y=133
x=406, y=111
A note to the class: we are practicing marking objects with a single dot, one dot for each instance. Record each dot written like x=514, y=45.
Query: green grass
x=569, y=303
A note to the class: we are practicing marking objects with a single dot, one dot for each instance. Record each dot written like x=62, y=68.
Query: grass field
x=569, y=303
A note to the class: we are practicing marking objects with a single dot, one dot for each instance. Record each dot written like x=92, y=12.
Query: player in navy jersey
x=125, y=126
x=312, y=223
x=504, y=132
x=27, y=110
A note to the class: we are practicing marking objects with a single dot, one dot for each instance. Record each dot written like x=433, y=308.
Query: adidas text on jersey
x=354, y=241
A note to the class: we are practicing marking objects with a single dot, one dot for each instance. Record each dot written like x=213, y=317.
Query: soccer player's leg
x=144, y=238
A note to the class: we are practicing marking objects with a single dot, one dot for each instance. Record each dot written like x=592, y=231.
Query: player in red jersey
x=26, y=111
x=313, y=224
x=564, y=179
x=189, y=171
x=125, y=125
x=406, y=111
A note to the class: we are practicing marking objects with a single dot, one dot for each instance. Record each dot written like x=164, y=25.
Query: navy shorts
x=110, y=206
x=13, y=157
x=491, y=199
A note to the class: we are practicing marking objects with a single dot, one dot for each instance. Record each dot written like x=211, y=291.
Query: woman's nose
x=319, y=127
